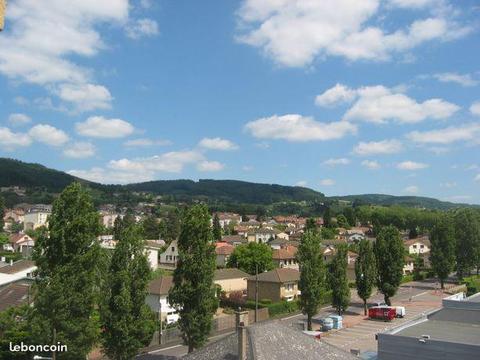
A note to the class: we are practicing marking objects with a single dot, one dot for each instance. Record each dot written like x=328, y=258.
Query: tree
x=389, y=256
x=15, y=329
x=467, y=234
x=338, y=280
x=311, y=284
x=327, y=217
x=261, y=213
x=248, y=257
x=349, y=214
x=150, y=228
x=171, y=226
x=365, y=272
x=193, y=292
x=217, y=229
x=69, y=263
x=16, y=227
x=342, y=221
x=311, y=224
x=2, y=213
x=442, y=253
x=127, y=321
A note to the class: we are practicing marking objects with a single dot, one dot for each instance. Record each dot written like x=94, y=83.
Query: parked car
x=386, y=313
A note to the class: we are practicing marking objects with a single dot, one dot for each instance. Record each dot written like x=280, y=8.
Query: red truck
x=382, y=313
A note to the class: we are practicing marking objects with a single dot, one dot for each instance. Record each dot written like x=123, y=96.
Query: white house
x=261, y=236
x=152, y=249
x=418, y=246
x=169, y=257
x=22, y=243
x=157, y=299
x=36, y=218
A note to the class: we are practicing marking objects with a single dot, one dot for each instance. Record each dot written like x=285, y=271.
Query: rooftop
x=233, y=273
x=17, y=267
x=161, y=285
x=13, y=295
x=282, y=275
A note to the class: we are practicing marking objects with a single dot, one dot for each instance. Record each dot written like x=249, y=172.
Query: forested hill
x=41, y=182
x=409, y=201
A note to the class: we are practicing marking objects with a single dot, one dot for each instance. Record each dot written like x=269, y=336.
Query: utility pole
x=256, y=292
x=3, y=7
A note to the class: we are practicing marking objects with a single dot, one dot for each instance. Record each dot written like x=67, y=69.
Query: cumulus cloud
x=298, y=128
x=210, y=166
x=145, y=142
x=378, y=104
x=10, y=140
x=217, y=144
x=447, y=135
x=105, y=176
x=295, y=33
x=475, y=108
x=371, y=164
x=48, y=135
x=141, y=28
x=461, y=79
x=18, y=119
x=301, y=183
x=327, y=182
x=378, y=147
x=411, y=189
x=101, y=127
x=336, y=95
x=411, y=165
x=79, y=150
x=334, y=162
x=85, y=97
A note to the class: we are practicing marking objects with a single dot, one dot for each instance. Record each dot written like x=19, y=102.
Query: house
x=14, y=215
x=225, y=219
x=261, y=236
x=351, y=257
x=418, y=246
x=235, y=240
x=108, y=218
x=22, y=243
x=231, y=280
x=169, y=257
x=223, y=251
x=409, y=265
x=285, y=257
x=283, y=235
x=36, y=217
x=276, y=285
x=152, y=249
x=328, y=253
x=157, y=299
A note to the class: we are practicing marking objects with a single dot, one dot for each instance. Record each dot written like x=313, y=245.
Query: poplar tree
x=193, y=292
x=2, y=213
x=442, y=253
x=68, y=259
x=339, y=281
x=127, y=321
x=467, y=235
x=217, y=229
x=312, y=274
x=389, y=255
x=365, y=272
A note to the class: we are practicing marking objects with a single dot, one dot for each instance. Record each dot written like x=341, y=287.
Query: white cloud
x=85, y=97
x=411, y=189
x=79, y=150
x=100, y=127
x=301, y=183
x=475, y=108
x=339, y=161
x=144, y=142
x=371, y=164
x=327, y=182
x=295, y=33
x=378, y=104
x=298, y=128
x=462, y=198
x=447, y=135
x=412, y=3
x=378, y=147
x=448, y=184
x=210, y=166
x=142, y=27
x=19, y=119
x=20, y=100
x=411, y=165
x=171, y=162
x=48, y=135
x=477, y=178
x=247, y=168
x=9, y=140
x=335, y=95
x=217, y=144
x=461, y=79
x=104, y=176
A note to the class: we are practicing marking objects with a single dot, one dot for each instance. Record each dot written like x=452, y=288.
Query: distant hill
x=48, y=181
x=409, y=201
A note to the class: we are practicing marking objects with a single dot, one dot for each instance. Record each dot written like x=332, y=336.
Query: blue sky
x=345, y=97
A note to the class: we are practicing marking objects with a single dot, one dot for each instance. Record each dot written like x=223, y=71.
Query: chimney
x=241, y=322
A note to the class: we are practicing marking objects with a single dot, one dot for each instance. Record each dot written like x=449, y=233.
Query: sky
x=342, y=96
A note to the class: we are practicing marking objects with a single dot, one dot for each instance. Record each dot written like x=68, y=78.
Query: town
x=328, y=282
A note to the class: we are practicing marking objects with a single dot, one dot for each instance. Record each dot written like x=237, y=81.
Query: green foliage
x=127, y=321
x=327, y=218
x=473, y=284
x=467, y=235
x=282, y=307
x=365, y=271
x=337, y=277
x=312, y=274
x=389, y=256
x=342, y=222
x=16, y=227
x=68, y=262
x=2, y=212
x=3, y=239
x=328, y=233
x=217, y=229
x=15, y=328
x=247, y=257
x=170, y=225
x=150, y=228
x=193, y=293
x=350, y=215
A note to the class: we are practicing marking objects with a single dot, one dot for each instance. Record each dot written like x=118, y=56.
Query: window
x=173, y=248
